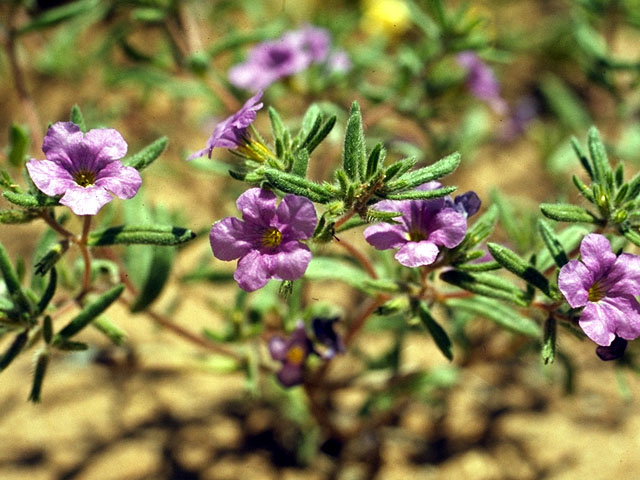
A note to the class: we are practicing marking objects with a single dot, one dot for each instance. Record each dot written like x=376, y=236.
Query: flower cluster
x=423, y=227
x=266, y=241
x=482, y=82
x=84, y=168
x=606, y=286
x=294, y=52
x=232, y=131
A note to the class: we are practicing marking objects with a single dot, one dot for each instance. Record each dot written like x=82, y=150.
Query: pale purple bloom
x=293, y=353
x=327, y=336
x=84, y=168
x=525, y=110
x=339, y=62
x=606, y=286
x=313, y=41
x=267, y=239
x=481, y=81
x=424, y=227
x=231, y=132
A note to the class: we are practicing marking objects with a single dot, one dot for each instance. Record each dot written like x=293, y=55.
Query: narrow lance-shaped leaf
x=437, y=332
x=499, y=313
x=112, y=331
x=14, y=349
x=27, y=200
x=300, y=162
x=399, y=168
x=147, y=155
x=599, y=158
x=312, y=142
x=585, y=191
x=375, y=161
x=582, y=156
x=516, y=265
x=354, y=155
x=486, y=284
x=77, y=118
x=549, y=341
x=18, y=216
x=566, y=212
x=277, y=125
x=421, y=194
x=18, y=144
x=143, y=235
x=631, y=234
x=39, y=371
x=553, y=243
x=425, y=174
x=88, y=314
x=480, y=229
x=157, y=276
x=49, y=291
x=12, y=281
x=59, y=14
x=290, y=183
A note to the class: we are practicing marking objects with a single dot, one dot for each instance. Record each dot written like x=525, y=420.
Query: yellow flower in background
x=386, y=17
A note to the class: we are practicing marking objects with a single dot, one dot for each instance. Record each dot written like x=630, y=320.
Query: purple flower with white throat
x=267, y=239
x=293, y=353
x=481, y=81
x=424, y=227
x=231, y=132
x=84, y=168
x=606, y=286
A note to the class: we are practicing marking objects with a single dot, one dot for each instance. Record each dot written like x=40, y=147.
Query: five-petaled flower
x=293, y=353
x=606, y=286
x=84, y=168
x=267, y=239
x=231, y=132
x=424, y=227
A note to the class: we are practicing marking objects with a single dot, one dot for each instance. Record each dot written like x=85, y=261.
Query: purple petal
x=228, y=239
x=383, y=236
x=258, y=205
x=290, y=262
x=250, y=76
x=252, y=272
x=574, y=282
x=596, y=254
x=119, y=179
x=61, y=139
x=416, y=254
x=86, y=200
x=278, y=348
x=290, y=375
x=50, y=177
x=624, y=276
x=598, y=321
x=298, y=216
x=628, y=323
x=106, y=145
x=447, y=228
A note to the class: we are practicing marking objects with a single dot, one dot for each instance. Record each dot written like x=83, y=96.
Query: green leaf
x=566, y=212
x=420, y=194
x=486, y=284
x=59, y=14
x=13, y=216
x=325, y=268
x=425, y=174
x=142, y=235
x=479, y=267
x=399, y=168
x=354, y=156
x=553, y=243
x=564, y=103
x=112, y=331
x=27, y=200
x=147, y=155
x=311, y=142
x=631, y=234
x=437, y=332
x=585, y=191
x=14, y=349
x=49, y=291
x=481, y=229
x=500, y=314
x=601, y=166
x=569, y=239
x=549, y=341
x=18, y=144
x=12, y=281
x=88, y=314
x=156, y=278
x=376, y=160
x=39, y=371
x=77, y=118
x=516, y=265
x=300, y=162
x=582, y=156
x=277, y=125
x=290, y=183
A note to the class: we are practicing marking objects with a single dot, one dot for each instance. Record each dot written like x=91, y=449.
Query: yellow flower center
x=84, y=178
x=596, y=292
x=416, y=235
x=272, y=237
x=295, y=355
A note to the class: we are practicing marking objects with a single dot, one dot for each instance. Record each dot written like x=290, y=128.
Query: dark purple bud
x=467, y=203
x=326, y=335
x=613, y=351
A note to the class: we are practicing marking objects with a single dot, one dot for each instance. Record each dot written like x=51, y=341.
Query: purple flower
x=267, y=239
x=231, y=132
x=425, y=225
x=606, y=286
x=293, y=353
x=313, y=41
x=339, y=62
x=84, y=168
x=327, y=336
x=481, y=81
